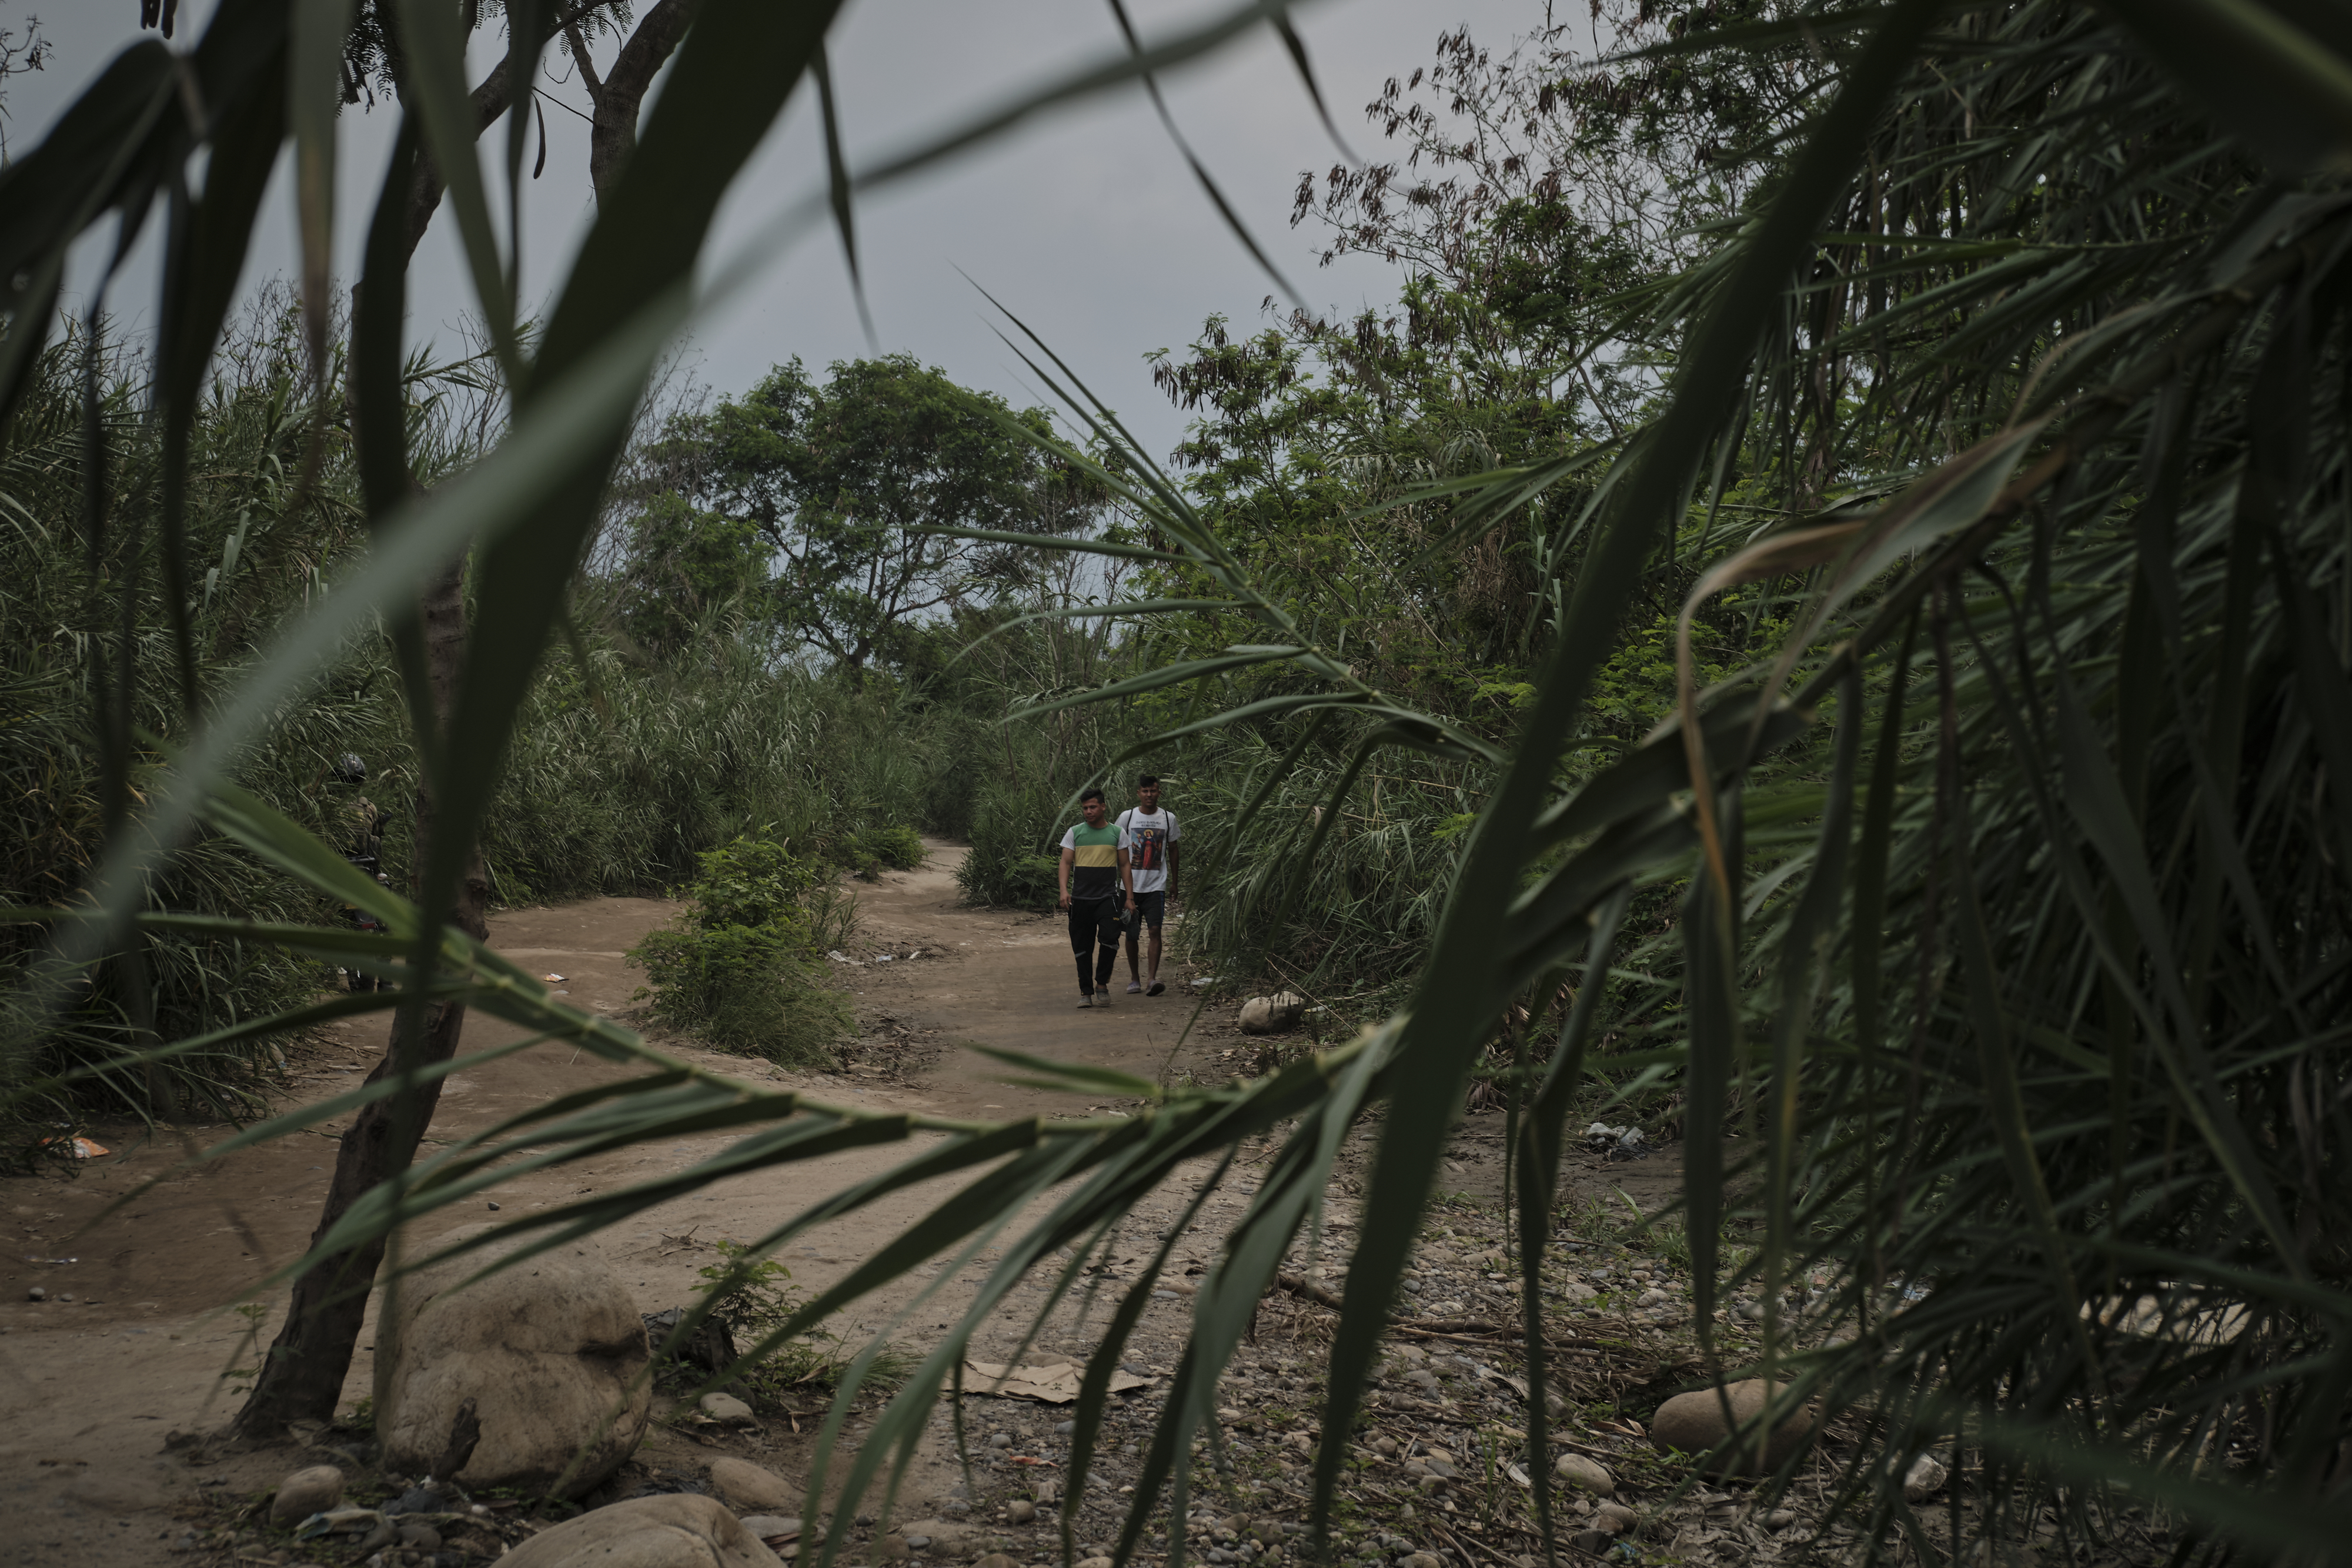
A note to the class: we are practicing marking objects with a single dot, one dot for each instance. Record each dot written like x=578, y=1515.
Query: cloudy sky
x=1088, y=223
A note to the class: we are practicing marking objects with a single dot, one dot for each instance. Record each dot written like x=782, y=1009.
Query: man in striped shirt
x=1098, y=891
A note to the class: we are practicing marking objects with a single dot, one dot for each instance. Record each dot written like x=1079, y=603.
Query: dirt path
x=90, y=1385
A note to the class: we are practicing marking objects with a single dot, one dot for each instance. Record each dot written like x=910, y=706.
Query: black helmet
x=349, y=769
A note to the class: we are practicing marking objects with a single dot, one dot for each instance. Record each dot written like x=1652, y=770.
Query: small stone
x=65, y=1295
x=1586, y=1475
x=1063, y=1430
x=1925, y=1478
x=767, y=1526
x=1780, y=1519
x=417, y=1534
x=726, y=1409
x=37, y=1294
x=1424, y=1559
x=895, y=1548
x=313, y=1489
x=747, y=1488
x=1000, y=1440
x=1385, y=1447
x=996, y=1560
x=1021, y=1510
x=1615, y=1518
x=1095, y=1563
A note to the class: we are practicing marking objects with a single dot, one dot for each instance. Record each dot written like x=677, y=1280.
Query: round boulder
x=529, y=1377
x=1694, y=1422
x=678, y=1530
x=314, y=1489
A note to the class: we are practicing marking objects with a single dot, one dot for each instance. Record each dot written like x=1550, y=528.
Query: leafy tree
x=684, y=567
x=852, y=483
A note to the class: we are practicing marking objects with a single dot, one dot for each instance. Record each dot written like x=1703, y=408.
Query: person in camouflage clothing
x=363, y=821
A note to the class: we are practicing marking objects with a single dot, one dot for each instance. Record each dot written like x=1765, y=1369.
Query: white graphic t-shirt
x=1148, y=834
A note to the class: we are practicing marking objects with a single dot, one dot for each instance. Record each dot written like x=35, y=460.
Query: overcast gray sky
x=1088, y=224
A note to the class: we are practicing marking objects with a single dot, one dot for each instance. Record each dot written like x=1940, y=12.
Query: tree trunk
x=425, y=188
x=621, y=92
x=302, y=1378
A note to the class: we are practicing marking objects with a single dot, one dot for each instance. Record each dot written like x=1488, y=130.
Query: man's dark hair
x=1148, y=781
x=1087, y=795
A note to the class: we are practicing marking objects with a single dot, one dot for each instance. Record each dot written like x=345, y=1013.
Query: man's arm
x=1127, y=876
x=1069, y=858
x=1171, y=866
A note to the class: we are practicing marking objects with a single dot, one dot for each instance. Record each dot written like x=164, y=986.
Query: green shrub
x=739, y=968
x=752, y=882
x=1013, y=862
x=751, y=1298
x=899, y=848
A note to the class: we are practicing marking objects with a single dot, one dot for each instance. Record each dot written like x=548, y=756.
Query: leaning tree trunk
x=302, y=1377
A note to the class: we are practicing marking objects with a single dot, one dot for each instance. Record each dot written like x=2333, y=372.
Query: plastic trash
x=82, y=1149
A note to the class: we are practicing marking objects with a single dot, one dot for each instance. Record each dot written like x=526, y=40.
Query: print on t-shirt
x=1148, y=834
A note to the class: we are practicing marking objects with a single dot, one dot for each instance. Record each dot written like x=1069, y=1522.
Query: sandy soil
x=90, y=1388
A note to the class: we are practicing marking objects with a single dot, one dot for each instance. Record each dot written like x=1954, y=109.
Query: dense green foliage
x=623, y=768
x=817, y=508
x=742, y=965
x=1995, y=873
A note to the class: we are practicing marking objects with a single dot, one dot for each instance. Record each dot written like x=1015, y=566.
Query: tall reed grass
x=622, y=769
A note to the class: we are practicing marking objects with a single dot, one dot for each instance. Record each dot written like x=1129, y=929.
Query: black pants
x=1096, y=923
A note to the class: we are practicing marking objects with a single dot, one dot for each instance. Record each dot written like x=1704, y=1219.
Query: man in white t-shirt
x=1151, y=858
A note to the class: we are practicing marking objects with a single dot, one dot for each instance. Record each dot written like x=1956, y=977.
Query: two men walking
x=1116, y=876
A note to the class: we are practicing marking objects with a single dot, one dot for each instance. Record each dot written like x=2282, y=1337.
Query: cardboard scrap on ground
x=1055, y=1383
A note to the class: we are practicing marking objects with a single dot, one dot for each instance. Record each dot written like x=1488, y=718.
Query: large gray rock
x=1694, y=1422
x=675, y=1531
x=1273, y=1014
x=549, y=1353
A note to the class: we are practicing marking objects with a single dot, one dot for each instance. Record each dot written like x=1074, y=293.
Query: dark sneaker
x=1087, y=1000
x=1157, y=987
x=1102, y=996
